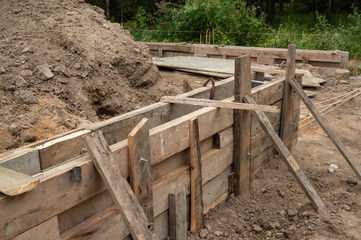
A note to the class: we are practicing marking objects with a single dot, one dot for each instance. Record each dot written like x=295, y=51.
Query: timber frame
x=72, y=202
x=334, y=59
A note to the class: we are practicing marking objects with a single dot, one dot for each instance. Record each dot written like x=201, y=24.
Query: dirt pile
x=63, y=65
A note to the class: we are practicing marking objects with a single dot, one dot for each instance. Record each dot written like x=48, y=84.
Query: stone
x=263, y=190
x=292, y=232
x=275, y=225
x=26, y=73
x=218, y=233
x=203, y=233
x=268, y=233
x=292, y=212
x=43, y=72
x=2, y=69
x=19, y=81
x=26, y=50
x=257, y=229
x=14, y=128
x=282, y=212
x=25, y=97
x=346, y=207
x=77, y=66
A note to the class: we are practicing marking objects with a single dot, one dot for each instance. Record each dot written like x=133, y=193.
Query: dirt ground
x=63, y=65
x=277, y=208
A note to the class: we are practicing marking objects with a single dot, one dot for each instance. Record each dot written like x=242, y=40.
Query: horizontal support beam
x=220, y=104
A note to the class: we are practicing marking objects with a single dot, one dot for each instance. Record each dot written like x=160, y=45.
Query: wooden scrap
x=13, y=183
x=178, y=215
x=318, y=117
x=221, y=104
x=140, y=167
x=242, y=127
x=46, y=230
x=290, y=161
x=286, y=128
x=196, y=218
x=186, y=86
x=114, y=180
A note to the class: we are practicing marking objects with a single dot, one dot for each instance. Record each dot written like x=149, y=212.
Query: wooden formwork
x=335, y=59
x=67, y=207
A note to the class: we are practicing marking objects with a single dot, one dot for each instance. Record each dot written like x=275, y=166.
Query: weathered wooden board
x=196, y=216
x=24, y=160
x=178, y=215
x=58, y=150
x=46, y=230
x=13, y=183
x=140, y=174
x=122, y=194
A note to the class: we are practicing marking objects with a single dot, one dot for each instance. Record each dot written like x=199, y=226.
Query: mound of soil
x=62, y=64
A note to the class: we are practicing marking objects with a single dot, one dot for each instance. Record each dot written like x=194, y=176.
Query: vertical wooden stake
x=177, y=215
x=286, y=128
x=242, y=126
x=206, y=36
x=107, y=6
x=213, y=35
x=140, y=167
x=118, y=187
x=200, y=39
x=197, y=218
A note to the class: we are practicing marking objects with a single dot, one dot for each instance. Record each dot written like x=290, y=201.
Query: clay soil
x=277, y=208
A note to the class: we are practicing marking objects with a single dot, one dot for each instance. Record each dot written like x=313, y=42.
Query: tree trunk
x=282, y=8
x=107, y=6
x=314, y=9
x=329, y=9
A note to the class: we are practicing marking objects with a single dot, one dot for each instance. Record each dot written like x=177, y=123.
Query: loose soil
x=63, y=66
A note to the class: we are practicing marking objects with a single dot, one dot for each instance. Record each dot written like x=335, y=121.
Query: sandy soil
x=277, y=208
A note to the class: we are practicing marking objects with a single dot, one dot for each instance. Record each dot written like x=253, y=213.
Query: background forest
x=311, y=24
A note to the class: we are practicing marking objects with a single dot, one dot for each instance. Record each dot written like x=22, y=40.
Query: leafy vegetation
x=311, y=24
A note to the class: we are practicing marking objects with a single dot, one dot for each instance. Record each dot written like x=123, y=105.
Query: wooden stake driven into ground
x=286, y=127
x=197, y=218
x=177, y=202
x=290, y=161
x=140, y=167
x=316, y=114
x=222, y=104
x=242, y=126
x=13, y=183
x=118, y=187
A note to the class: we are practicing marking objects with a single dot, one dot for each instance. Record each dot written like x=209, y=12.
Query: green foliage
x=233, y=22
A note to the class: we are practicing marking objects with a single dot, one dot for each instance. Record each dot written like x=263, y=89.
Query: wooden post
x=318, y=117
x=242, y=126
x=107, y=7
x=197, y=218
x=286, y=127
x=121, y=192
x=177, y=215
x=290, y=161
x=206, y=35
x=140, y=167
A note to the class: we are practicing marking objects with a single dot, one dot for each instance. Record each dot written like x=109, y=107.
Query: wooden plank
x=178, y=215
x=24, y=160
x=196, y=218
x=57, y=150
x=291, y=162
x=288, y=98
x=13, y=183
x=123, y=196
x=321, y=121
x=186, y=86
x=220, y=104
x=140, y=167
x=223, y=138
x=46, y=230
x=242, y=127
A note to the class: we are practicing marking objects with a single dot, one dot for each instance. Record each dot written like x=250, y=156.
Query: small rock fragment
x=203, y=233
x=25, y=97
x=257, y=229
x=19, y=82
x=43, y=72
x=77, y=66
x=2, y=69
x=218, y=233
x=346, y=207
